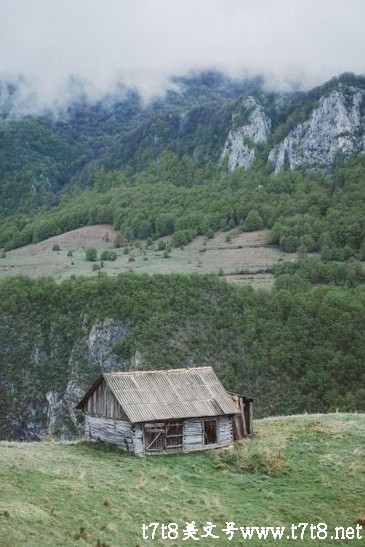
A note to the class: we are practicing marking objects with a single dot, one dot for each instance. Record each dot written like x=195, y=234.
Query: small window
x=210, y=432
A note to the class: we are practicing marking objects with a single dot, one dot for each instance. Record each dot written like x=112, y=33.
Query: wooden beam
x=244, y=425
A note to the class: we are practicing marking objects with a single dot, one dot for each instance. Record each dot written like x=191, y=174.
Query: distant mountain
x=208, y=117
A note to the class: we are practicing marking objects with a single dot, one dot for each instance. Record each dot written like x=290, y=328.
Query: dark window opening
x=174, y=435
x=210, y=432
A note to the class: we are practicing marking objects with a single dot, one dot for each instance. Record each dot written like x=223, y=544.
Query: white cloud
x=144, y=41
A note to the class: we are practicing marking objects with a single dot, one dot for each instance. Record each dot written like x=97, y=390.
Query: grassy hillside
x=242, y=257
x=296, y=469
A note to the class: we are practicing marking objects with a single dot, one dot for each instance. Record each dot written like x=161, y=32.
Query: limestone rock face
x=335, y=127
x=54, y=374
x=239, y=147
x=100, y=343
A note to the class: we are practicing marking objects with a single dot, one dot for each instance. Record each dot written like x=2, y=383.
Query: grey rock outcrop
x=335, y=128
x=100, y=343
x=40, y=396
x=239, y=148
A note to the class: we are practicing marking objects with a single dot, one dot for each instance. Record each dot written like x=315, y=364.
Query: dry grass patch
x=243, y=259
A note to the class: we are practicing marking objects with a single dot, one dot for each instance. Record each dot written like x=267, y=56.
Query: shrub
x=253, y=221
x=289, y=243
x=56, y=247
x=119, y=241
x=91, y=254
x=108, y=255
x=161, y=245
x=182, y=237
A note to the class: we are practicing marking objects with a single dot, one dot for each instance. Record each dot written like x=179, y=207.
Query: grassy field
x=242, y=259
x=296, y=469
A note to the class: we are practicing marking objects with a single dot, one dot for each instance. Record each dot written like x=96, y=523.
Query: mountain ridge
x=198, y=119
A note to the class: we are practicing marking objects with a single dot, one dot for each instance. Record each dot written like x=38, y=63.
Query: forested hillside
x=297, y=348
x=161, y=169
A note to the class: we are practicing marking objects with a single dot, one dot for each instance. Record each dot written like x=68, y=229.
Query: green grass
x=295, y=469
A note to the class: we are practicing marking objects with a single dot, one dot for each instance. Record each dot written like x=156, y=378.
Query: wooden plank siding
x=192, y=435
x=103, y=403
x=131, y=437
x=225, y=431
x=138, y=441
x=117, y=432
x=193, y=438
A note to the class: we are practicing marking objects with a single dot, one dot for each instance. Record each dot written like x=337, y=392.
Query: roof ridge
x=165, y=371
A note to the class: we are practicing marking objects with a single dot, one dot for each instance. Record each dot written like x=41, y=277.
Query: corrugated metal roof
x=169, y=394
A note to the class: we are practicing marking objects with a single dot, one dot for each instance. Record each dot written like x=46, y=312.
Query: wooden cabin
x=163, y=411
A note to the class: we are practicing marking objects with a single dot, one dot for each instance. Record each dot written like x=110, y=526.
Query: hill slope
x=241, y=257
x=295, y=469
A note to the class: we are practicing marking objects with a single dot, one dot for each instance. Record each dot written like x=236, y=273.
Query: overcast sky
x=144, y=41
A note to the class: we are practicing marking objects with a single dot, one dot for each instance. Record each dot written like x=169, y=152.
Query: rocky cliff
x=333, y=128
x=40, y=395
x=239, y=148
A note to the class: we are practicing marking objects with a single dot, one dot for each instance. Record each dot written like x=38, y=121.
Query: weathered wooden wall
x=138, y=440
x=131, y=437
x=103, y=403
x=192, y=435
x=242, y=422
x=111, y=431
x=224, y=431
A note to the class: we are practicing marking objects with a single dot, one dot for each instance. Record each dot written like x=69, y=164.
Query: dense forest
x=297, y=348
x=306, y=211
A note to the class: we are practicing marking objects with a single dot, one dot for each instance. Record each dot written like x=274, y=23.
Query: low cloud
x=62, y=48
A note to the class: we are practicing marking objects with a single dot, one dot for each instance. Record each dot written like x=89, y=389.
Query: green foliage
x=253, y=221
x=182, y=237
x=108, y=255
x=161, y=246
x=34, y=163
x=315, y=271
x=119, y=241
x=308, y=212
x=91, y=254
x=306, y=337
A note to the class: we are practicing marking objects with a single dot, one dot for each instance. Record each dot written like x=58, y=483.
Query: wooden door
x=154, y=440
